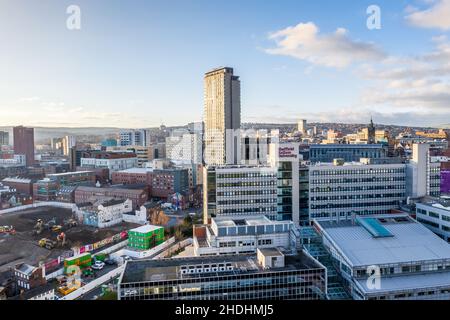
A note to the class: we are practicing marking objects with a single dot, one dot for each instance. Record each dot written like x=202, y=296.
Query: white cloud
x=437, y=16
x=337, y=50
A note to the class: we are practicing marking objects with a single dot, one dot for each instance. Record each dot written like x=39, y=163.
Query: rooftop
x=410, y=241
x=170, y=269
x=68, y=174
x=245, y=221
x=347, y=146
x=146, y=228
x=440, y=203
x=17, y=180
x=271, y=252
x=409, y=282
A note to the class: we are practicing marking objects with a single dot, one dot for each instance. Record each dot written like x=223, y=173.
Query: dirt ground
x=23, y=246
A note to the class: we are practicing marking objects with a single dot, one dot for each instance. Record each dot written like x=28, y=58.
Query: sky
x=140, y=63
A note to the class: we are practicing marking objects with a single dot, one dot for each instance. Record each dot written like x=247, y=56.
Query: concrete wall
x=38, y=205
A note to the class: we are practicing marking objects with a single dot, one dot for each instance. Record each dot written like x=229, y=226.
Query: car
x=109, y=262
x=130, y=292
x=98, y=265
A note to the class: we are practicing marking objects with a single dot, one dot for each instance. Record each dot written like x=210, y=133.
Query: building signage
x=288, y=152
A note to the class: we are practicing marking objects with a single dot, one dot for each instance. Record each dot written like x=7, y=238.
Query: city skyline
x=122, y=67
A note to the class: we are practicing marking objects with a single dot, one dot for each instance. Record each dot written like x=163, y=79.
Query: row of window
x=392, y=204
x=357, y=180
x=359, y=196
x=246, y=184
x=355, y=171
x=359, y=188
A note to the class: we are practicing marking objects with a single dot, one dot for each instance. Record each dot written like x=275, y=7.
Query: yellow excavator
x=47, y=243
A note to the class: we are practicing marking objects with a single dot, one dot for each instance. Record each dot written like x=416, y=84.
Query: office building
x=4, y=138
x=241, y=235
x=339, y=190
x=405, y=260
x=349, y=152
x=222, y=116
x=434, y=213
x=239, y=191
x=187, y=147
x=24, y=143
x=254, y=146
x=285, y=159
x=134, y=138
x=268, y=275
x=423, y=174
x=113, y=161
x=162, y=183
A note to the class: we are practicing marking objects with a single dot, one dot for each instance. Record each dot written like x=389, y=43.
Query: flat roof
x=439, y=203
x=347, y=146
x=136, y=170
x=411, y=241
x=17, y=180
x=146, y=228
x=271, y=252
x=245, y=221
x=169, y=269
x=68, y=173
x=429, y=280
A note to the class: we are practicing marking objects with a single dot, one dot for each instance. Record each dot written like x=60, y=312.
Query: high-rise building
x=134, y=138
x=68, y=143
x=187, y=147
x=302, y=126
x=423, y=175
x=4, y=138
x=239, y=191
x=24, y=143
x=340, y=190
x=222, y=116
x=284, y=157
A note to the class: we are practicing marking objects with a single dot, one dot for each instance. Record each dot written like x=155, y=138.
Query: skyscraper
x=24, y=143
x=68, y=143
x=222, y=116
x=302, y=126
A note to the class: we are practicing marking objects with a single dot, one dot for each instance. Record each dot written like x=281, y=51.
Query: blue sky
x=141, y=63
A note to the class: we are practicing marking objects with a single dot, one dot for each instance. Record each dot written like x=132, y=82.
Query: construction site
x=44, y=233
